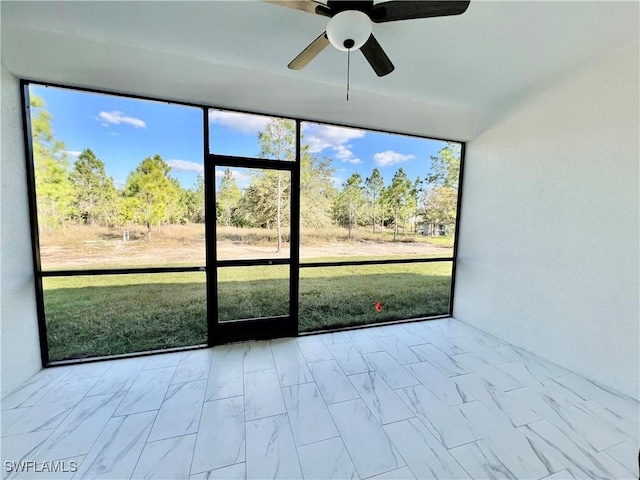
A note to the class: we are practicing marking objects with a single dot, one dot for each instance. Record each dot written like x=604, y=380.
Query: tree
x=416, y=196
x=228, y=196
x=445, y=167
x=398, y=195
x=95, y=193
x=54, y=192
x=374, y=186
x=440, y=206
x=349, y=202
x=150, y=192
x=316, y=190
x=277, y=141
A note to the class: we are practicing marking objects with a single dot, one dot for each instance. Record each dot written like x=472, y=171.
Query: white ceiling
x=450, y=72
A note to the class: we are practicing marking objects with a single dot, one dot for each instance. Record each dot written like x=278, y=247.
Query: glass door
x=254, y=252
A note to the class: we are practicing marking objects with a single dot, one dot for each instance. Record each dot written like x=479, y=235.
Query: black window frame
x=218, y=333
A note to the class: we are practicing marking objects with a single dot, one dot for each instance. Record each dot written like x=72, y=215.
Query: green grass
x=106, y=315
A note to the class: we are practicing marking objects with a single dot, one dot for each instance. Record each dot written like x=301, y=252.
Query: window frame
x=252, y=328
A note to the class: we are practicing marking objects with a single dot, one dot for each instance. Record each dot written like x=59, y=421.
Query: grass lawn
x=111, y=314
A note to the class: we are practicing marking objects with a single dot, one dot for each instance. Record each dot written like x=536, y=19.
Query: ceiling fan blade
x=376, y=57
x=310, y=52
x=409, y=10
x=309, y=6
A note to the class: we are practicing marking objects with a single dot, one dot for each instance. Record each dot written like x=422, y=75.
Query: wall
x=548, y=247
x=20, y=356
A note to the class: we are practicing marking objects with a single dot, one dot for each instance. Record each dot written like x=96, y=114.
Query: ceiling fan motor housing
x=349, y=29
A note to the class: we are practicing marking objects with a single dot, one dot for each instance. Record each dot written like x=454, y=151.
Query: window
x=161, y=225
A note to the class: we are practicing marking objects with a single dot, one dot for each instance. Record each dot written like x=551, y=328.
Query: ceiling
x=451, y=73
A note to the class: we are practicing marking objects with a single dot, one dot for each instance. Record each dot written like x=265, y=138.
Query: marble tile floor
x=435, y=399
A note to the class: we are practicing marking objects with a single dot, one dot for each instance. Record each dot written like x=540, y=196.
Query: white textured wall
x=20, y=354
x=548, y=249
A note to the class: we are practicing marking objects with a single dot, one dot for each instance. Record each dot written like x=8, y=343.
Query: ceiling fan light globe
x=349, y=25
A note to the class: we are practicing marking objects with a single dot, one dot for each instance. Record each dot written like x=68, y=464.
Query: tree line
x=83, y=193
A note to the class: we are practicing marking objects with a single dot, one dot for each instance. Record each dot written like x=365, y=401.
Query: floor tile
x=589, y=390
x=9, y=417
x=553, y=443
x=403, y=473
x=232, y=472
x=52, y=409
x=28, y=394
x=327, y=459
x=446, y=423
x=424, y=455
x=394, y=374
x=221, y=436
x=626, y=454
x=481, y=464
x=397, y=350
x=511, y=405
x=313, y=349
x=582, y=425
x=349, y=358
x=308, y=415
x=164, y=459
x=502, y=441
x=410, y=339
x=369, y=447
x=116, y=452
x=290, y=364
x=225, y=374
x=147, y=392
x=438, y=383
x=257, y=356
x=180, y=411
x=81, y=427
x=271, y=452
x=444, y=363
x=364, y=343
x=163, y=360
x=193, y=366
x=262, y=394
x=383, y=402
x=332, y=382
x=21, y=446
x=119, y=377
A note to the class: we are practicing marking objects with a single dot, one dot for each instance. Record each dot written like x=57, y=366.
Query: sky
x=122, y=132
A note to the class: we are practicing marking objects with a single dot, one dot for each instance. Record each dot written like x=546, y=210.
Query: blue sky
x=123, y=131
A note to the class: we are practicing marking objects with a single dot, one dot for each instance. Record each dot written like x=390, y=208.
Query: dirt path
x=100, y=254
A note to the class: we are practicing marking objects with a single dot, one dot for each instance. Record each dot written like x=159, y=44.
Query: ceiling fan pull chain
x=348, y=65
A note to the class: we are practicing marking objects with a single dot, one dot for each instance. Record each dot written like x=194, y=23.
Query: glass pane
x=90, y=316
x=371, y=195
x=252, y=213
x=253, y=292
x=252, y=136
x=333, y=297
x=119, y=181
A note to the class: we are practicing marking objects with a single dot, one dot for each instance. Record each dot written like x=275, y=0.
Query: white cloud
x=343, y=152
x=114, y=134
x=337, y=181
x=384, y=159
x=320, y=137
x=241, y=177
x=185, y=166
x=242, y=122
x=73, y=153
x=117, y=117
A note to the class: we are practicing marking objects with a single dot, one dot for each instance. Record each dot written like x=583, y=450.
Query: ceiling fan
x=350, y=25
